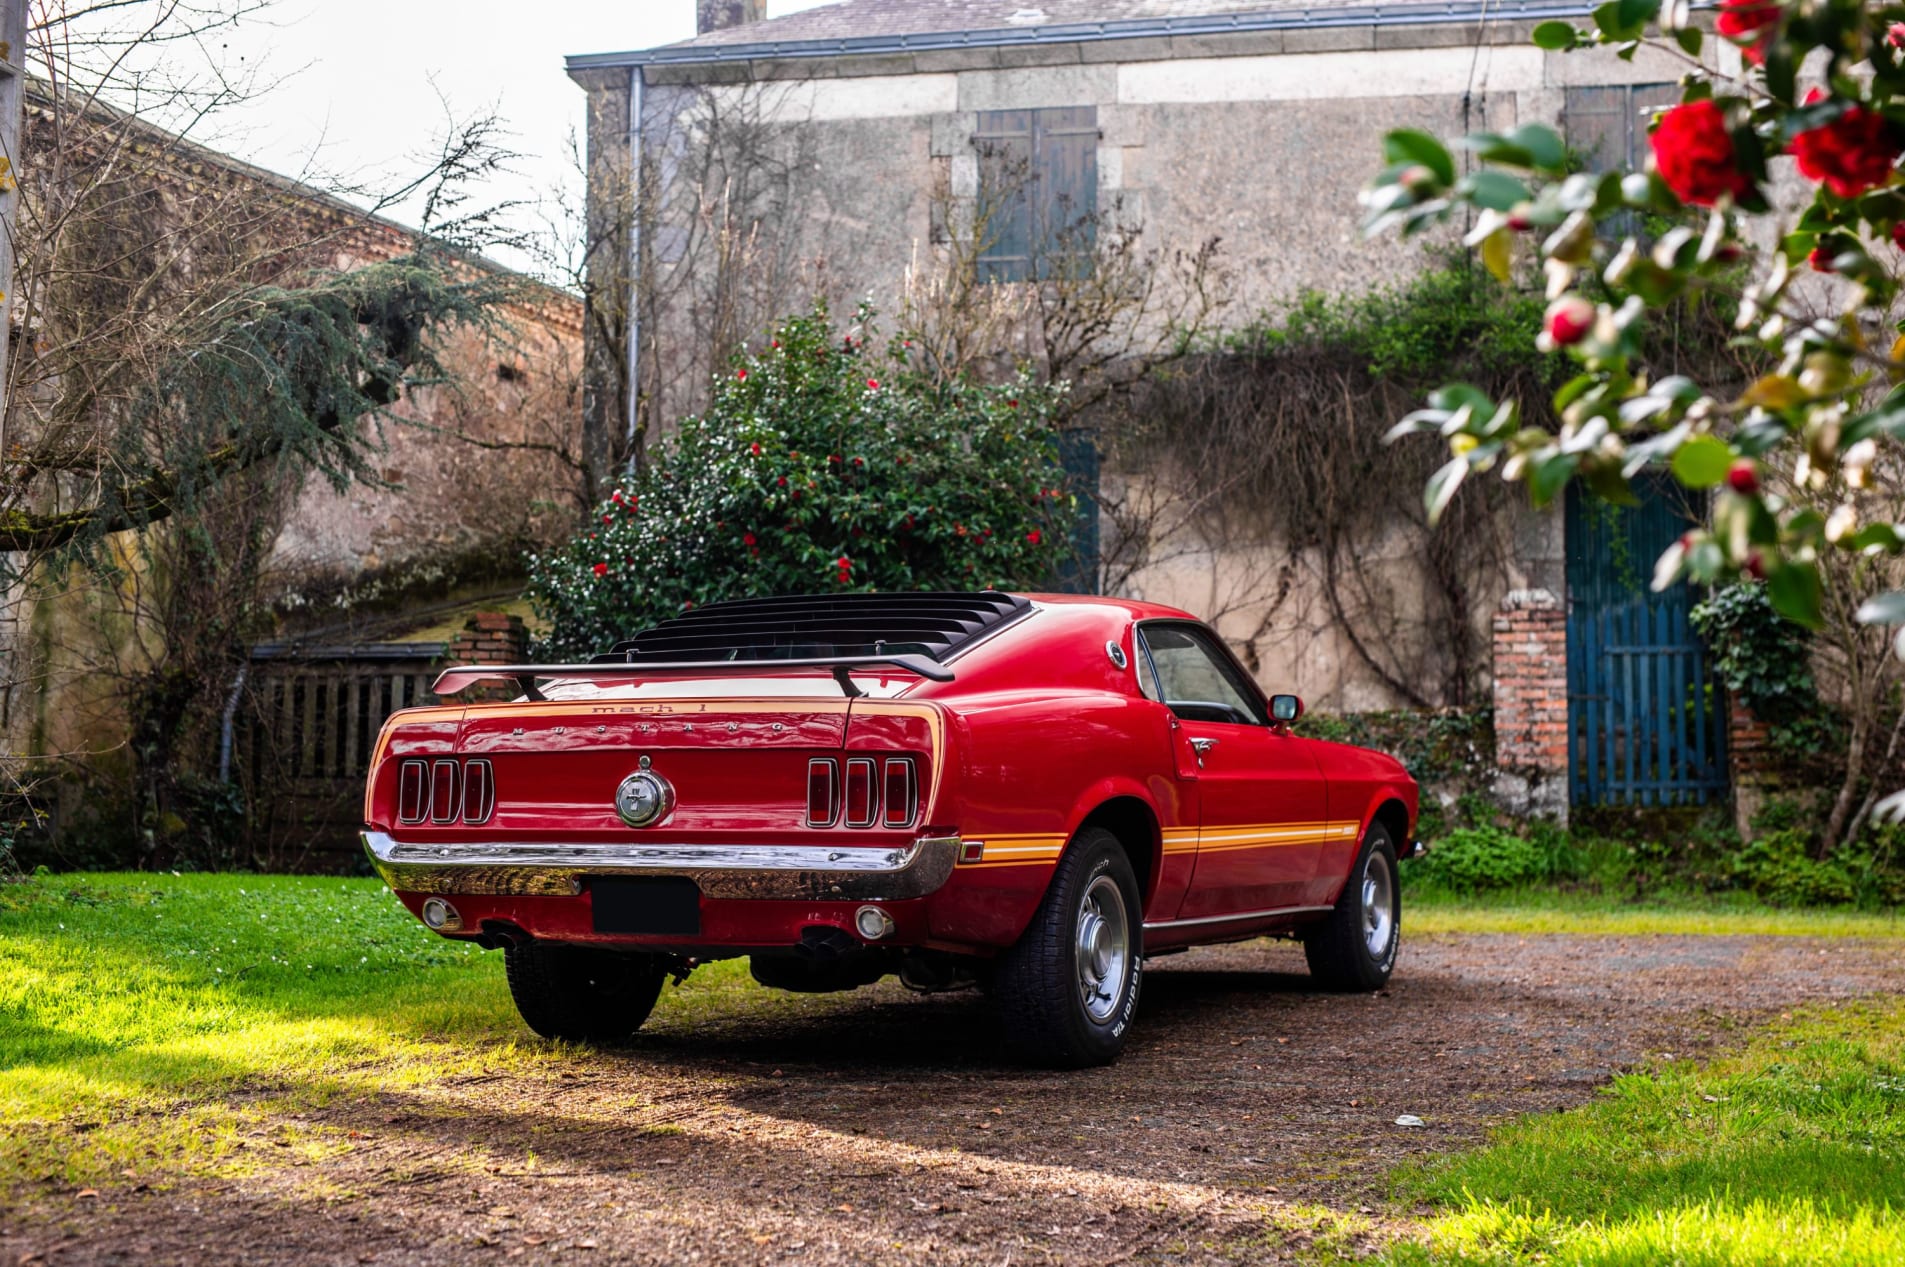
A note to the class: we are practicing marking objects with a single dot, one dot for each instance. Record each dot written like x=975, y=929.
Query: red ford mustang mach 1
x=1033, y=794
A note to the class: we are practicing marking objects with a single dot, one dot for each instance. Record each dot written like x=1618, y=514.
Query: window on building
x=1038, y=191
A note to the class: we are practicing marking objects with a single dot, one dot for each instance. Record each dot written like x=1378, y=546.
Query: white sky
x=360, y=81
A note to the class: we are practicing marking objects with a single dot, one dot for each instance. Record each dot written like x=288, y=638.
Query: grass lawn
x=1790, y=1152
x=1548, y=911
x=128, y=1002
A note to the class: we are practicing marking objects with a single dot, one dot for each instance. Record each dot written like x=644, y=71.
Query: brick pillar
x=1750, y=765
x=491, y=638
x=1531, y=704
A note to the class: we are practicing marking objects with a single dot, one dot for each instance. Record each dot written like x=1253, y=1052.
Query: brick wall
x=1531, y=703
x=491, y=638
x=1751, y=766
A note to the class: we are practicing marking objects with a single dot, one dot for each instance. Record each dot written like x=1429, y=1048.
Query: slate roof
x=874, y=26
x=851, y=19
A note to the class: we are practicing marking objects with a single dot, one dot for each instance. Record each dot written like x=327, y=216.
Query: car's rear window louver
x=812, y=627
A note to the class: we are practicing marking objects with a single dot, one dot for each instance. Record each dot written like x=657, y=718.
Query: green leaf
x=1409, y=145
x=1554, y=36
x=1689, y=38
x=1545, y=479
x=1702, y=462
x=1882, y=609
x=1543, y=144
x=1496, y=191
x=1795, y=592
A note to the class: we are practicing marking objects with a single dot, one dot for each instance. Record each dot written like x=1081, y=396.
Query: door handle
x=1202, y=746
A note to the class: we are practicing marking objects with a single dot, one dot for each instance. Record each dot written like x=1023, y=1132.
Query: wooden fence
x=302, y=741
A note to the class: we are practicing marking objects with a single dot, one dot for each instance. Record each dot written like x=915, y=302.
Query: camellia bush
x=1790, y=455
x=821, y=466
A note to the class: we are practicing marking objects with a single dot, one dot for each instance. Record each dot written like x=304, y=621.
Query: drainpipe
x=634, y=262
x=225, y=723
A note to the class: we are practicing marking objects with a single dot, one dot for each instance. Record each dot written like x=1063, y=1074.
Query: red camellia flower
x=844, y=563
x=601, y=569
x=859, y=461
x=1743, y=477
x=1849, y=155
x=1819, y=259
x=741, y=376
x=782, y=481
x=747, y=539
x=873, y=384
x=1746, y=23
x=1033, y=536
x=1013, y=403
x=1694, y=153
x=608, y=519
x=1895, y=36
x=1569, y=319
x=616, y=496
x=755, y=448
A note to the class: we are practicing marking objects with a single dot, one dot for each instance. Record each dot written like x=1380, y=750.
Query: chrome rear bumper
x=814, y=873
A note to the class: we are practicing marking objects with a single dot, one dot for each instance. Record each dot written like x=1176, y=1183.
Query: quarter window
x=1199, y=682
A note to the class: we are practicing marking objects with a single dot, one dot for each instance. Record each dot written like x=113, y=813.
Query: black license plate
x=656, y=905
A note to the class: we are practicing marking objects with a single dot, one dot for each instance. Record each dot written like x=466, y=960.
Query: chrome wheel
x=1103, y=948
x=1379, y=905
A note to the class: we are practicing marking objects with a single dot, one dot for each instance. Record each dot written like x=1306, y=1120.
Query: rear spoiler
x=463, y=676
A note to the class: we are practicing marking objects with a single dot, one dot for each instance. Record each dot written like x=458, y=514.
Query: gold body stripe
x=1024, y=850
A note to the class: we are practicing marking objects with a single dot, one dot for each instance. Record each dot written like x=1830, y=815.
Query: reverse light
x=873, y=923
x=440, y=915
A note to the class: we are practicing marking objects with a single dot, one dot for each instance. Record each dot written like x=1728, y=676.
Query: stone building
x=844, y=144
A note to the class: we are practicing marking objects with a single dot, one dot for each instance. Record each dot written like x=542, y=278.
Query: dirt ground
x=890, y=1130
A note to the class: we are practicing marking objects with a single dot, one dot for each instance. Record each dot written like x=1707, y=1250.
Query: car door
x=1260, y=791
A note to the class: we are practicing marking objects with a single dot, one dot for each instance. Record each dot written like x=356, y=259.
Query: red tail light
x=479, y=792
x=443, y=791
x=823, y=792
x=863, y=805
x=412, y=799
x=902, y=792
x=443, y=782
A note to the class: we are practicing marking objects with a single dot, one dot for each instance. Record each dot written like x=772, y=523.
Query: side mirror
x=1285, y=709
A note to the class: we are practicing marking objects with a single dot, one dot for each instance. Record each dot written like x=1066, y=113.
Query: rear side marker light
x=479, y=792
x=823, y=792
x=863, y=805
x=972, y=851
x=443, y=785
x=902, y=794
x=412, y=799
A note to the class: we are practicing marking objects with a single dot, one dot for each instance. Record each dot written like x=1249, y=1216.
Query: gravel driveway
x=1247, y=1116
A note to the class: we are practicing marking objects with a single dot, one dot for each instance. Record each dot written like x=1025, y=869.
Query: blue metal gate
x=1645, y=725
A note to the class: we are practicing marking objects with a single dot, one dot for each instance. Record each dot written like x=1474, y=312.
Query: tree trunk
x=1849, y=787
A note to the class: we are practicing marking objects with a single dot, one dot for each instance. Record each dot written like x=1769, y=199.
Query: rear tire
x=582, y=993
x=1068, y=989
x=1355, y=948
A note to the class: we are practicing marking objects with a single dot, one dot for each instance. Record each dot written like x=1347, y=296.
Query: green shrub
x=820, y=466
x=1778, y=867
x=1474, y=859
